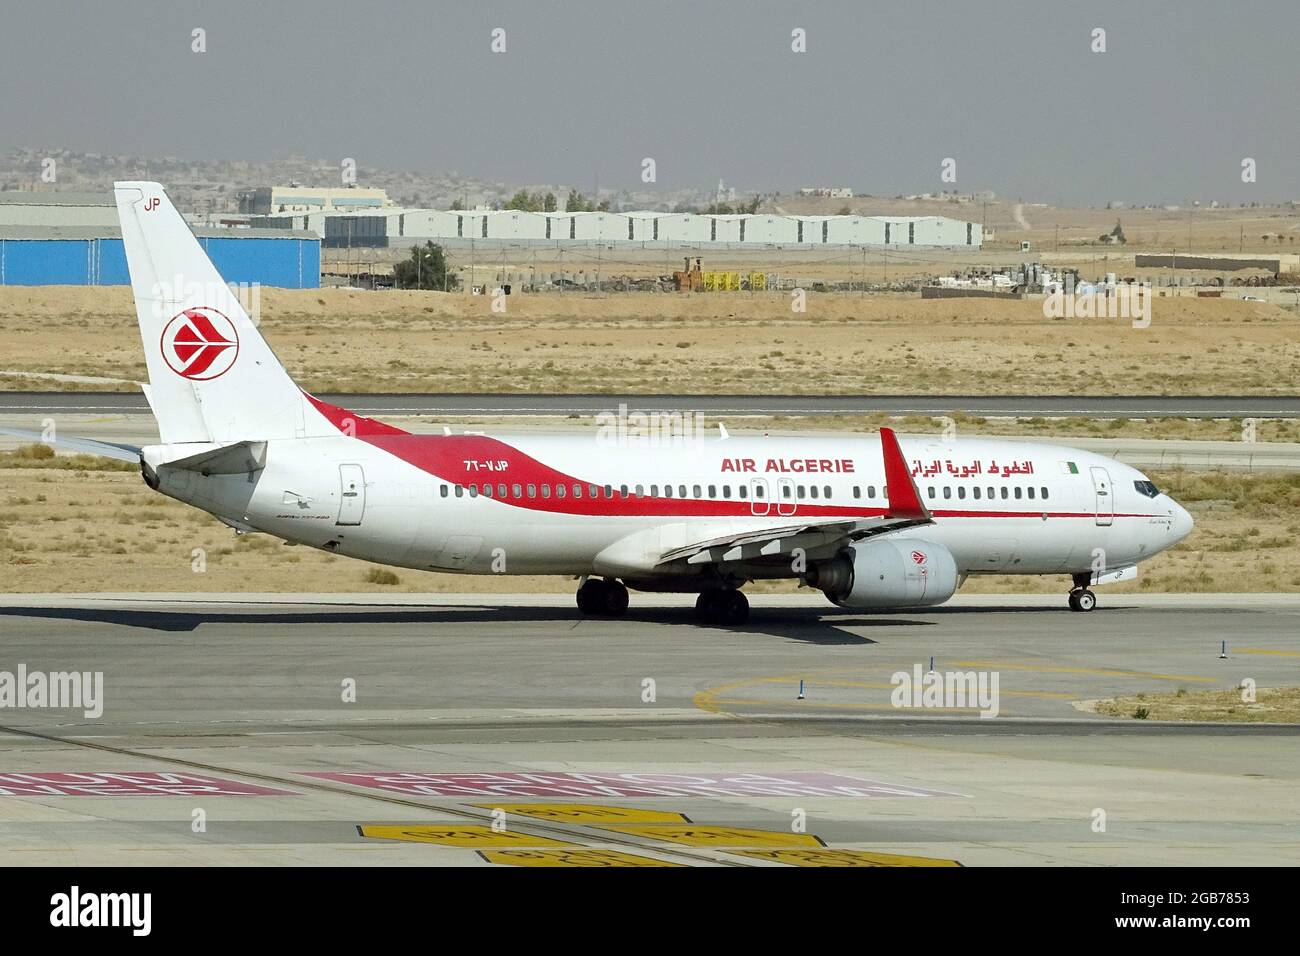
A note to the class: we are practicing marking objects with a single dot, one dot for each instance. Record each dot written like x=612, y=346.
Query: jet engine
x=887, y=573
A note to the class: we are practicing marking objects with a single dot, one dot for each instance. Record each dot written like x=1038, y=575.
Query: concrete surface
x=248, y=688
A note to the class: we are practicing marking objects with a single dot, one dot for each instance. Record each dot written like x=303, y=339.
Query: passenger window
x=726, y=491
x=947, y=491
x=785, y=491
x=487, y=490
x=444, y=491
x=473, y=491
x=1004, y=492
x=871, y=492
x=759, y=491
x=654, y=491
x=460, y=491
x=930, y=490
x=1031, y=491
x=516, y=490
x=681, y=491
x=532, y=491
x=640, y=491
x=801, y=492
x=561, y=491
x=1044, y=491
x=976, y=492
x=742, y=491
x=501, y=491
x=622, y=490
x=713, y=491
x=546, y=491
x=991, y=494
x=668, y=491
x=577, y=491
x=609, y=491
x=1017, y=492
x=696, y=490
x=812, y=491
x=826, y=492
x=961, y=492
x=857, y=491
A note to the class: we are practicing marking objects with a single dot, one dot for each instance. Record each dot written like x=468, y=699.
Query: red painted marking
x=904, y=501
x=445, y=457
x=707, y=784
x=194, y=347
x=350, y=423
x=113, y=784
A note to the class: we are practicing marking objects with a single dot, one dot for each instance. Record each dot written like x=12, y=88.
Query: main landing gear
x=725, y=606
x=602, y=598
x=1081, y=599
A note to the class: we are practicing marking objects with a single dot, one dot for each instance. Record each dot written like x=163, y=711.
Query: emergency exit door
x=352, y=499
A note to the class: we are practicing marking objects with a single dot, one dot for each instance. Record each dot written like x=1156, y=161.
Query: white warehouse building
x=392, y=226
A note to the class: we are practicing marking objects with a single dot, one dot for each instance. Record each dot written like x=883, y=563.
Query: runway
x=142, y=430
x=687, y=745
x=1012, y=406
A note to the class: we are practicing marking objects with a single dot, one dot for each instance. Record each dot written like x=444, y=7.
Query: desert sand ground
x=351, y=340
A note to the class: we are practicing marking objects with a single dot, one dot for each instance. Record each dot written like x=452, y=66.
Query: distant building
x=270, y=200
x=396, y=227
x=74, y=239
x=69, y=255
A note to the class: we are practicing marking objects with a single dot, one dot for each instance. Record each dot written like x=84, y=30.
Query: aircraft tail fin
x=212, y=377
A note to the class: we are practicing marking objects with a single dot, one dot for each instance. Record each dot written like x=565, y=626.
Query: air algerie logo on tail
x=200, y=344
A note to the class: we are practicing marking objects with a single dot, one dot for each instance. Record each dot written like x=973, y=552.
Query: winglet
x=904, y=499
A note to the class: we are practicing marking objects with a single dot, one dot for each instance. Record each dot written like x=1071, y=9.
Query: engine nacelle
x=887, y=573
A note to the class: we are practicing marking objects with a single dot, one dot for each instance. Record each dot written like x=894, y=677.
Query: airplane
x=874, y=522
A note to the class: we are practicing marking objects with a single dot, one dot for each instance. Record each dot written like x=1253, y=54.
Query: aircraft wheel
x=735, y=607
x=1085, y=600
x=616, y=598
x=722, y=607
x=592, y=596
x=706, y=607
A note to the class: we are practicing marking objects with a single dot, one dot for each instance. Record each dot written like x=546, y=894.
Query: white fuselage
x=566, y=504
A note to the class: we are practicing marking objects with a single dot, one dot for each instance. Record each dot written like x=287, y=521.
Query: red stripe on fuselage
x=460, y=460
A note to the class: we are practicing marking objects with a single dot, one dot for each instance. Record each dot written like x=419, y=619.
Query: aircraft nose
x=1182, y=523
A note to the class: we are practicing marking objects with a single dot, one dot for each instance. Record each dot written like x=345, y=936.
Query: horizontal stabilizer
x=88, y=446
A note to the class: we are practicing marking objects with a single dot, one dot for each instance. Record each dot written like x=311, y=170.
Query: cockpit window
x=1146, y=488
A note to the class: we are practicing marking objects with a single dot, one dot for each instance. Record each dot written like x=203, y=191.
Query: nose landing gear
x=598, y=598
x=1081, y=599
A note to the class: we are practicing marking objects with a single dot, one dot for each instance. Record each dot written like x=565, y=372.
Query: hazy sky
x=709, y=89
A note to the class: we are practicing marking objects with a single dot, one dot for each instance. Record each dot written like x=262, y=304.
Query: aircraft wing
x=89, y=446
x=904, y=509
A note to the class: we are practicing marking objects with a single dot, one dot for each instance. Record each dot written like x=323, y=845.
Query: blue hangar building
x=73, y=239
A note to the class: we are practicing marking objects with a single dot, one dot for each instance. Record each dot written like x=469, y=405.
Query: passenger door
x=758, y=500
x=1105, y=501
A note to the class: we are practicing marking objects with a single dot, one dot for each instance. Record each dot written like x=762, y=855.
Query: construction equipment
x=689, y=279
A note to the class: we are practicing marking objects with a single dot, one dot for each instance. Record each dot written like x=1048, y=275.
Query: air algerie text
x=799, y=466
